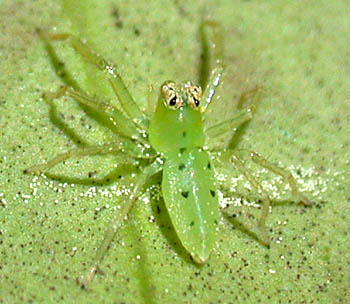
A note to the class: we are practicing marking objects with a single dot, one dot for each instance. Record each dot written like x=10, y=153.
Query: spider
x=177, y=140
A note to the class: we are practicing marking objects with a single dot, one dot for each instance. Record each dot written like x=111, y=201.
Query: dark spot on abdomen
x=185, y=194
x=182, y=167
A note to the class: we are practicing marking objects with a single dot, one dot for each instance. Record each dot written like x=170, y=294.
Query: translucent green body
x=188, y=186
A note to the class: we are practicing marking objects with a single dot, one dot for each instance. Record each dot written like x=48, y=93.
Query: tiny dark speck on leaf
x=137, y=32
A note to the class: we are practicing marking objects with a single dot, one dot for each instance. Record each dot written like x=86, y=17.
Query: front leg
x=127, y=102
x=118, y=122
x=212, y=65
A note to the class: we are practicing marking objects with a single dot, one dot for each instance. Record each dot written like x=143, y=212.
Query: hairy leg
x=127, y=102
x=229, y=125
x=121, y=125
x=118, y=221
x=212, y=66
x=287, y=176
x=265, y=198
x=237, y=162
x=77, y=153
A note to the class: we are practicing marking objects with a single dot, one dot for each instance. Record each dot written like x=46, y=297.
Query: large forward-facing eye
x=171, y=96
x=194, y=96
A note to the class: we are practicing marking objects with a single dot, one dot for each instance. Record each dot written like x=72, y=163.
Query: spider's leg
x=287, y=176
x=212, y=66
x=118, y=122
x=127, y=102
x=118, y=221
x=152, y=101
x=237, y=162
x=114, y=147
x=214, y=133
x=229, y=127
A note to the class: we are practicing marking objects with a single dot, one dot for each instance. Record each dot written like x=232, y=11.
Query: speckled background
x=50, y=227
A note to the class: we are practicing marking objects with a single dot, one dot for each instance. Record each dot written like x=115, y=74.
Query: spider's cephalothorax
x=177, y=121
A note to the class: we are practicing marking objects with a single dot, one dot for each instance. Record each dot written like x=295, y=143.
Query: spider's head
x=177, y=122
x=176, y=96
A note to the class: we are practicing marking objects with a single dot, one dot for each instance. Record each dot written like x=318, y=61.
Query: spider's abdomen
x=190, y=195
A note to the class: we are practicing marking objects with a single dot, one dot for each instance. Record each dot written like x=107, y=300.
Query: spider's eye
x=194, y=96
x=171, y=97
x=172, y=102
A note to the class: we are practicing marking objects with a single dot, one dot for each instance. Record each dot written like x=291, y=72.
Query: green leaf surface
x=51, y=226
